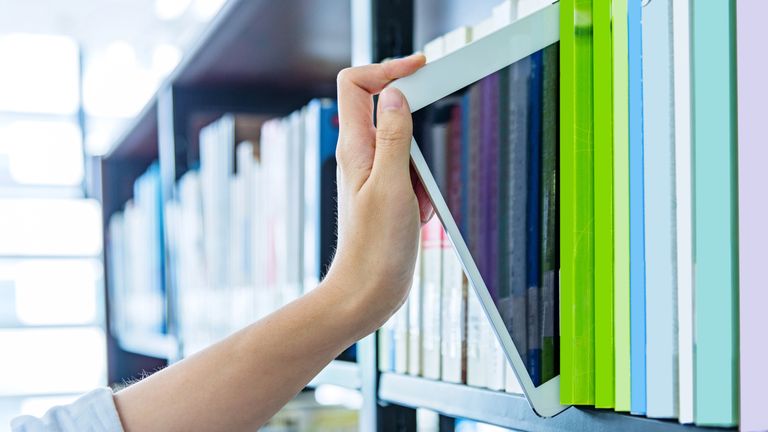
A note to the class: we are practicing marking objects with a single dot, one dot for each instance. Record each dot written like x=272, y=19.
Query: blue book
x=533, y=221
x=636, y=210
x=321, y=126
x=660, y=257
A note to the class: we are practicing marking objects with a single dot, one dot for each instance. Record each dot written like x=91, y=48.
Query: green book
x=603, y=178
x=622, y=395
x=714, y=211
x=577, y=329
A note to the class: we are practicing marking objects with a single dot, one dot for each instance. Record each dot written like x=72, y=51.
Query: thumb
x=394, y=129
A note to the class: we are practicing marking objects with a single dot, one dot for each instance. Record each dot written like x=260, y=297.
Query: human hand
x=381, y=202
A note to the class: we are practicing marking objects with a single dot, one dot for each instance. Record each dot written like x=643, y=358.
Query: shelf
x=339, y=373
x=509, y=410
x=149, y=344
x=246, y=46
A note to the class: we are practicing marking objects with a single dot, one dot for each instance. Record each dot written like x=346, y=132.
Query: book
x=636, y=211
x=603, y=190
x=714, y=206
x=621, y=290
x=432, y=294
x=549, y=216
x=495, y=361
x=753, y=212
x=683, y=203
x=577, y=347
x=659, y=165
x=533, y=218
x=434, y=49
x=321, y=132
x=454, y=315
x=476, y=320
x=414, y=322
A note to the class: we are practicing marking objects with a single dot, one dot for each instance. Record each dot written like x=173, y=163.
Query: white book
x=454, y=303
x=400, y=336
x=683, y=191
x=476, y=320
x=431, y=285
x=295, y=205
x=439, y=160
x=511, y=383
x=495, y=361
x=386, y=349
x=484, y=28
x=414, y=321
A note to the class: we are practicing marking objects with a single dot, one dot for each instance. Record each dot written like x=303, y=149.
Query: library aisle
x=169, y=177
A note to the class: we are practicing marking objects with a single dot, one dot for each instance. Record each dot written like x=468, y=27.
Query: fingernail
x=391, y=99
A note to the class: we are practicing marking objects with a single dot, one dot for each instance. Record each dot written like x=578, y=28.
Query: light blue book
x=660, y=264
x=636, y=211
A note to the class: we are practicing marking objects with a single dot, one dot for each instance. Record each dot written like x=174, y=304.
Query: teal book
x=660, y=221
x=715, y=231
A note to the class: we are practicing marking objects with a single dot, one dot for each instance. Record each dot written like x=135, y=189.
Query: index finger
x=357, y=85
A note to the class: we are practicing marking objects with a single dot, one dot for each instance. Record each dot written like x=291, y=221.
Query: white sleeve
x=94, y=411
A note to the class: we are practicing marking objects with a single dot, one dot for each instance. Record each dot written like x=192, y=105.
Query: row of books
x=659, y=222
x=249, y=229
x=441, y=332
x=659, y=257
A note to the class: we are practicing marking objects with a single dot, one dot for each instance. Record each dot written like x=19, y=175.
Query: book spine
x=621, y=323
x=683, y=202
x=452, y=313
x=603, y=186
x=577, y=361
x=414, y=321
x=533, y=218
x=491, y=168
x=514, y=306
x=431, y=285
x=636, y=211
x=658, y=120
x=753, y=212
x=715, y=241
x=549, y=215
x=476, y=319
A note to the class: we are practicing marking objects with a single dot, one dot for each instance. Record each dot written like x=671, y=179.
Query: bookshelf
x=246, y=61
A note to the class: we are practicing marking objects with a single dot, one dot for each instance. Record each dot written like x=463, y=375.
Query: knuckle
x=344, y=75
x=392, y=134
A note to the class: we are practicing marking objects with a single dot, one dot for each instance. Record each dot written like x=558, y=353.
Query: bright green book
x=715, y=241
x=603, y=167
x=622, y=395
x=577, y=329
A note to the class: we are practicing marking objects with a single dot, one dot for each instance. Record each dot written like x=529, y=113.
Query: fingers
x=355, y=87
x=393, y=136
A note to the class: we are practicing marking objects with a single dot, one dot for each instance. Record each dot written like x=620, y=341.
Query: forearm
x=242, y=381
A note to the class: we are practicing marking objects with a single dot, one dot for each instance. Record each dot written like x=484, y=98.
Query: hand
x=381, y=202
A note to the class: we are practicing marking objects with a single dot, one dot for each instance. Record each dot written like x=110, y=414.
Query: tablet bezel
x=445, y=76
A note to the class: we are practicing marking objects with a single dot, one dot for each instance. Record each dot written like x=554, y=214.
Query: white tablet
x=487, y=155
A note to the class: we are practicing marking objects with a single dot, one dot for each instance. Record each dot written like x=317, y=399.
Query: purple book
x=752, y=67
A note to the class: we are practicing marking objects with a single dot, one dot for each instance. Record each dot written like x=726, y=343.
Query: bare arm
x=242, y=381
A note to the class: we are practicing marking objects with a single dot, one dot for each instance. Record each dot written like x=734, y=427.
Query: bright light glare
x=207, y=9
x=52, y=292
x=114, y=85
x=53, y=227
x=37, y=361
x=328, y=394
x=43, y=152
x=39, y=73
x=165, y=57
x=171, y=9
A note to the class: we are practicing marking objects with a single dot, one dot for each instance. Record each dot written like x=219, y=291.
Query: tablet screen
x=493, y=150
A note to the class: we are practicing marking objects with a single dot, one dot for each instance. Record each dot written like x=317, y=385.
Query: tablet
x=486, y=153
